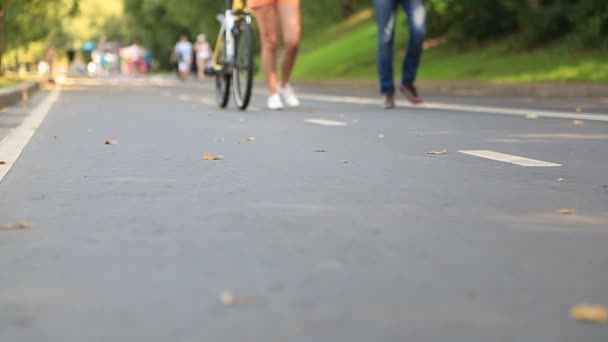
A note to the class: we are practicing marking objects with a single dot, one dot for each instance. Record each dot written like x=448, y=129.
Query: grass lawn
x=347, y=51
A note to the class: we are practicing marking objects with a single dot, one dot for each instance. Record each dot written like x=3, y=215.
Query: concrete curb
x=481, y=88
x=21, y=92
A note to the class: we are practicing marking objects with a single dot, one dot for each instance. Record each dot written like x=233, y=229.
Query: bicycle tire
x=223, y=78
x=243, y=71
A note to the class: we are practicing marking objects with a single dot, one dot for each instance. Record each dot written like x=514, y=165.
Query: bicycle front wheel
x=222, y=76
x=242, y=75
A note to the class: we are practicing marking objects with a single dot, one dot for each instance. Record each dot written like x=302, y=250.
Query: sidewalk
x=12, y=95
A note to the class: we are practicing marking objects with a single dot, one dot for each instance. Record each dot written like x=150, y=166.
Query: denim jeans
x=386, y=11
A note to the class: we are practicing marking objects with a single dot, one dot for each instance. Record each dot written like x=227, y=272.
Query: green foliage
x=533, y=22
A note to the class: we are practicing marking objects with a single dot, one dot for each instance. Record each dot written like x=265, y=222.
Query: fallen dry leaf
x=228, y=298
x=251, y=139
x=207, y=156
x=567, y=211
x=2, y=162
x=437, y=152
x=321, y=150
x=111, y=142
x=532, y=116
x=579, y=122
x=589, y=313
x=16, y=225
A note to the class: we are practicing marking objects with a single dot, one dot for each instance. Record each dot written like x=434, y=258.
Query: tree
x=24, y=21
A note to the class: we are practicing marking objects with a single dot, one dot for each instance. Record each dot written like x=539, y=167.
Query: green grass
x=347, y=51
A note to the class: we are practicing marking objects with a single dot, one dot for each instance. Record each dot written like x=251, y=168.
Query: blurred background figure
x=203, y=55
x=183, y=55
x=51, y=57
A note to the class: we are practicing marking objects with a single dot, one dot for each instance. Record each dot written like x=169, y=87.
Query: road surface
x=371, y=240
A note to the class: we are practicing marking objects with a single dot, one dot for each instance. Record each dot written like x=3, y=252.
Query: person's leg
x=291, y=26
x=416, y=14
x=200, y=65
x=266, y=17
x=385, y=19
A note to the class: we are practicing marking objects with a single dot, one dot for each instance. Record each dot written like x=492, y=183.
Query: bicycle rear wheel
x=222, y=76
x=242, y=75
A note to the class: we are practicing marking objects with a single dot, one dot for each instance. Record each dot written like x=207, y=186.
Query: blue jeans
x=386, y=11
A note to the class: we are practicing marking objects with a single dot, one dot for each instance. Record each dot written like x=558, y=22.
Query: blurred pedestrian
x=183, y=55
x=269, y=15
x=51, y=57
x=386, y=11
x=203, y=55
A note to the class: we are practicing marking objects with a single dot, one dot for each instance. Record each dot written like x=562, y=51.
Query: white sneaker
x=289, y=96
x=274, y=102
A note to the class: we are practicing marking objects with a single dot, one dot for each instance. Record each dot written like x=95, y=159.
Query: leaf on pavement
x=579, y=122
x=207, y=156
x=111, y=142
x=228, y=298
x=320, y=150
x=16, y=225
x=589, y=313
x=251, y=139
x=567, y=211
x=437, y=152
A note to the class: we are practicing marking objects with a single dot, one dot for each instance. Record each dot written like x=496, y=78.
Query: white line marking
x=508, y=158
x=12, y=146
x=461, y=108
x=324, y=122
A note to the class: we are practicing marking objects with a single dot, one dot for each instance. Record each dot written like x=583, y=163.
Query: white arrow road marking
x=12, y=146
x=508, y=158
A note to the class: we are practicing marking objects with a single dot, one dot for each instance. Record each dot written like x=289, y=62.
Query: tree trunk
x=1, y=39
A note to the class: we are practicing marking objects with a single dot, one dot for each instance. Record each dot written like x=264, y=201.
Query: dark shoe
x=389, y=101
x=410, y=92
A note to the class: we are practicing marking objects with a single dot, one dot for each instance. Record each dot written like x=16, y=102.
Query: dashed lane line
x=508, y=158
x=324, y=122
x=461, y=108
x=12, y=146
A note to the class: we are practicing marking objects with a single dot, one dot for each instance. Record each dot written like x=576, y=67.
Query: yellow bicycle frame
x=238, y=7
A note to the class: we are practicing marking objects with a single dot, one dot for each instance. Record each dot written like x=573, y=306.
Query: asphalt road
x=372, y=240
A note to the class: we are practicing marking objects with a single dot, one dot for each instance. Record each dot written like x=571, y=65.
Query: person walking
x=270, y=14
x=386, y=11
x=203, y=55
x=183, y=55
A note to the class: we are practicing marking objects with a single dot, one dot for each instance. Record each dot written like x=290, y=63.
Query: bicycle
x=233, y=62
